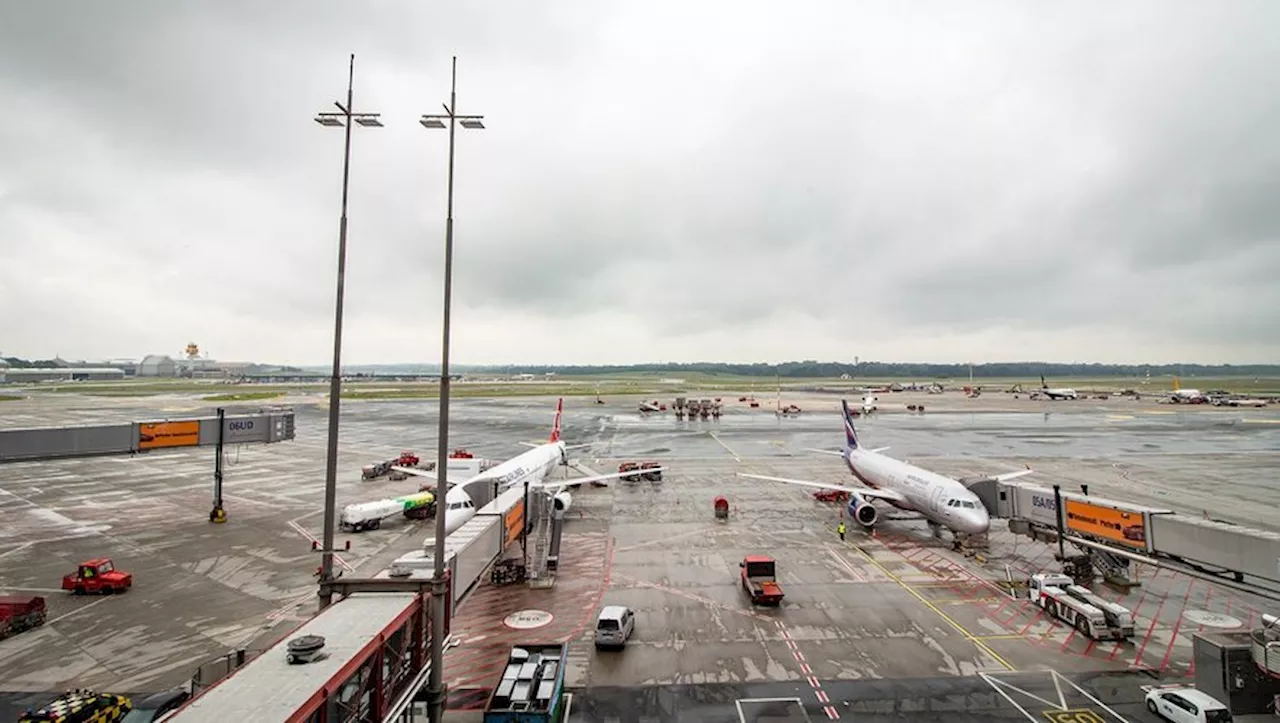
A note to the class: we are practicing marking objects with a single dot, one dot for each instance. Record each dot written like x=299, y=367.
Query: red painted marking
x=831, y=712
x=822, y=697
x=1164, y=663
x=1147, y=638
x=1034, y=618
x=1067, y=642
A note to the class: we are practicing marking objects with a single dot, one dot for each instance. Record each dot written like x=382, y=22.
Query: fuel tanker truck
x=363, y=516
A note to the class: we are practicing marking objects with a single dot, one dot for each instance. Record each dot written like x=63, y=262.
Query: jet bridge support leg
x=557, y=528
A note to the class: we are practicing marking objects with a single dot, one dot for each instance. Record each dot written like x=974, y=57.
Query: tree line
x=903, y=370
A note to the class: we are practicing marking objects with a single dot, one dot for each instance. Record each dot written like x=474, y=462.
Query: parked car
x=1184, y=704
x=614, y=626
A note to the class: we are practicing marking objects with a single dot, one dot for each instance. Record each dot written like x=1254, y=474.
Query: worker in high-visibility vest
x=840, y=530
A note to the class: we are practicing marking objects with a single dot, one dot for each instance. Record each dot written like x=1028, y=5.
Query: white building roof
x=269, y=690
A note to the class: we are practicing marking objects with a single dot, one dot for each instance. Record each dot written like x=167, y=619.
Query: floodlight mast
x=344, y=120
x=435, y=686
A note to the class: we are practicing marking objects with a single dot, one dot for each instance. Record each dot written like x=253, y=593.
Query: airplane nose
x=978, y=522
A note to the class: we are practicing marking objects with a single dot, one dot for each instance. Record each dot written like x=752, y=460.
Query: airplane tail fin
x=555, y=430
x=850, y=437
x=1177, y=385
x=1042, y=384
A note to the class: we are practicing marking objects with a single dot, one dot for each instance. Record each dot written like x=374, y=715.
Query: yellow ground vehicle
x=80, y=706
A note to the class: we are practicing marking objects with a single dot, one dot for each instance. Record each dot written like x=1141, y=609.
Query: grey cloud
x=986, y=169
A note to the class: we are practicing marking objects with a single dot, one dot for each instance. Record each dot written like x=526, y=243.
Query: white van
x=614, y=626
x=1184, y=704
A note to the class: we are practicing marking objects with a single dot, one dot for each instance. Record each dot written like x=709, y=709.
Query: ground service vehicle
x=98, y=576
x=154, y=707
x=531, y=687
x=19, y=613
x=759, y=580
x=369, y=515
x=1080, y=607
x=652, y=471
x=629, y=467
x=376, y=470
x=1184, y=704
x=81, y=706
x=614, y=626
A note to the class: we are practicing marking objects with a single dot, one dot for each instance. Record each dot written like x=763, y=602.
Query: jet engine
x=860, y=509
x=561, y=501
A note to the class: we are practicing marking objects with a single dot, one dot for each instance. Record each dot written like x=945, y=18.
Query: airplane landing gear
x=935, y=529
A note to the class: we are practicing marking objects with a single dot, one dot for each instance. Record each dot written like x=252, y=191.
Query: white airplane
x=869, y=403
x=1184, y=395
x=943, y=501
x=531, y=467
x=1059, y=393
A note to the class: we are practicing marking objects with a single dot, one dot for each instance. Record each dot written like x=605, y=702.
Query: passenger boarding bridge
x=375, y=655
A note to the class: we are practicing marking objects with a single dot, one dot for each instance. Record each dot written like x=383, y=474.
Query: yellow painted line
x=1120, y=416
x=1260, y=421
x=1000, y=637
x=959, y=628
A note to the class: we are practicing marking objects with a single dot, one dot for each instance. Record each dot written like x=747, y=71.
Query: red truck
x=97, y=576
x=19, y=613
x=759, y=580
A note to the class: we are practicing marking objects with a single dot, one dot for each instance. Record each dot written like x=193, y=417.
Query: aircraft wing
x=868, y=492
x=562, y=483
x=415, y=472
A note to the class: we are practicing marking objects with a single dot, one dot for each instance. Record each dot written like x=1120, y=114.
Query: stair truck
x=759, y=579
x=1080, y=607
x=363, y=516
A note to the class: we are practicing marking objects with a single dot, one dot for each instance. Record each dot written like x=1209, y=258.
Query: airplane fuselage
x=532, y=466
x=1059, y=393
x=942, y=500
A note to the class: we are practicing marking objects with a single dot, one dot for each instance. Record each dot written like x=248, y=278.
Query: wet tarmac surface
x=897, y=619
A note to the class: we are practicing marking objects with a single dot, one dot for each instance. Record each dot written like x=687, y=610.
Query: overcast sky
x=658, y=181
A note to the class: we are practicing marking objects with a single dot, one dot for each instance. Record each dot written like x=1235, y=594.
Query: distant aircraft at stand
x=1179, y=394
x=943, y=501
x=530, y=467
x=1058, y=393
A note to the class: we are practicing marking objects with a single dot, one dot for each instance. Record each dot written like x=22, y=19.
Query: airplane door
x=935, y=499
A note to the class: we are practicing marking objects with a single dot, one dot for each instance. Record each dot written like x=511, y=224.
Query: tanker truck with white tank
x=363, y=516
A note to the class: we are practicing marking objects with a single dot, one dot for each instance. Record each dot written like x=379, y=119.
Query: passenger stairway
x=1114, y=568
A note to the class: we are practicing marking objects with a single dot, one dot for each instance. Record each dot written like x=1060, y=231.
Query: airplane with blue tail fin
x=943, y=501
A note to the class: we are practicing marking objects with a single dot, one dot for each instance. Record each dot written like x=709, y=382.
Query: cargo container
x=1239, y=549
x=531, y=685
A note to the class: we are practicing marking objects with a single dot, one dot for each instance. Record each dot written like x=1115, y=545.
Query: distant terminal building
x=62, y=374
x=157, y=365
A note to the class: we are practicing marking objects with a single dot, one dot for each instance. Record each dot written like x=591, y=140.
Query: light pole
x=344, y=119
x=435, y=683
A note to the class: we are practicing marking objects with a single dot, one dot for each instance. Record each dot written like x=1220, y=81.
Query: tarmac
x=875, y=627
